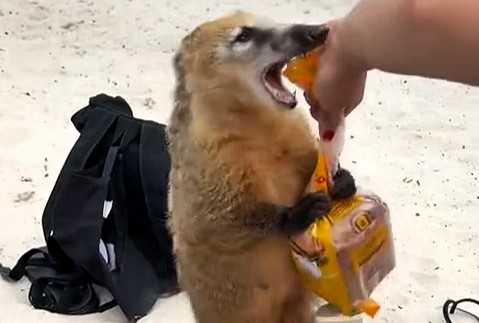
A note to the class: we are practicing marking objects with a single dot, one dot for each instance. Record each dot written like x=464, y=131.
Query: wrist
x=346, y=41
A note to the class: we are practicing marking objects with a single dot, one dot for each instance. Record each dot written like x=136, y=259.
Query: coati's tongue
x=286, y=97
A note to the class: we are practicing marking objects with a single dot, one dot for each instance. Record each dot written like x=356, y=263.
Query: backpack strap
x=155, y=159
x=99, y=124
x=55, y=288
x=19, y=270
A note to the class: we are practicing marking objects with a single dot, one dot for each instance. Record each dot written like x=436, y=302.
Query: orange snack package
x=302, y=70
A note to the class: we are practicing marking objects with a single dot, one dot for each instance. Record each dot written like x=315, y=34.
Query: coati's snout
x=295, y=40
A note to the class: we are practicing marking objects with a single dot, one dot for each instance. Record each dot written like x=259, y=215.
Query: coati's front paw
x=310, y=208
x=344, y=185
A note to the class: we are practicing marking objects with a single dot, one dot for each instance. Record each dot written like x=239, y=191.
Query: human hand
x=340, y=83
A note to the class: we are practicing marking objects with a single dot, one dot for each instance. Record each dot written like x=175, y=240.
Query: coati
x=241, y=159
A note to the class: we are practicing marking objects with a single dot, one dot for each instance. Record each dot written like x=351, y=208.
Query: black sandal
x=446, y=311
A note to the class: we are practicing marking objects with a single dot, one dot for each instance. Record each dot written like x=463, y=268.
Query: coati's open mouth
x=305, y=39
x=273, y=82
x=272, y=79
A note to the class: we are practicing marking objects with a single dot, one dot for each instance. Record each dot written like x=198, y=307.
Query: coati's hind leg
x=263, y=307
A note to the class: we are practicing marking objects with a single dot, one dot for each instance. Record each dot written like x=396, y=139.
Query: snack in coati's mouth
x=302, y=70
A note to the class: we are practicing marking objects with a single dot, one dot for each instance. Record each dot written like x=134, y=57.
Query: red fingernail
x=328, y=135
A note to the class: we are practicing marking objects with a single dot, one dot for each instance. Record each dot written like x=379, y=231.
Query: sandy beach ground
x=414, y=141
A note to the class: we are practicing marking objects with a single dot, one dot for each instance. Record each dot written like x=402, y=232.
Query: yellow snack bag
x=345, y=255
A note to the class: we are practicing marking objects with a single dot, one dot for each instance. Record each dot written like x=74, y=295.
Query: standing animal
x=242, y=157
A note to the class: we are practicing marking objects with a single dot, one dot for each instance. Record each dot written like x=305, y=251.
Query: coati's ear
x=178, y=61
x=239, y=12
x=188, y=43
x=179, y=67
x=185, y=58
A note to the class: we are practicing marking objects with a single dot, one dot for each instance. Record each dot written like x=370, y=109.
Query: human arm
x=429, y=38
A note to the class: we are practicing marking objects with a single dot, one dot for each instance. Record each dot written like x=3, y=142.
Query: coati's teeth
x=272, y=80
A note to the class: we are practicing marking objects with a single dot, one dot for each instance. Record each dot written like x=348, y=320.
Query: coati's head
x=241, y=57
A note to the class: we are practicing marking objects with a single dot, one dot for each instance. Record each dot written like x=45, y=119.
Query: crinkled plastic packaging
x=344, y=256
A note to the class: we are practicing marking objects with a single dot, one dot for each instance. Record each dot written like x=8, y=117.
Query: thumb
x=328, y=120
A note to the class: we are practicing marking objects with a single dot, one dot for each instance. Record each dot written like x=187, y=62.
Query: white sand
x=414, y=140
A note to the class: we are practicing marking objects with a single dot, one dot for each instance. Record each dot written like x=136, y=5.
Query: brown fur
x=233, y=161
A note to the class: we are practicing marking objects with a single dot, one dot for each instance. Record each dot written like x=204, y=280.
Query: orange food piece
x=369, y=307
x=301, y=71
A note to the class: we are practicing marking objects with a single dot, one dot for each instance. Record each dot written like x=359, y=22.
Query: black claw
x=312, y=207
x=344, y=185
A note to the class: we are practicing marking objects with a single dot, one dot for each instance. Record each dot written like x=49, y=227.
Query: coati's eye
x=245, y=35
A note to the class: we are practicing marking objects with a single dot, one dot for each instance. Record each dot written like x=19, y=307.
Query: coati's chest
x=274, y=147
x=280, y=162
x=282, y=173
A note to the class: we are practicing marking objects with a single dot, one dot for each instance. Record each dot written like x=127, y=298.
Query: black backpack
x=105, y=220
